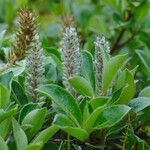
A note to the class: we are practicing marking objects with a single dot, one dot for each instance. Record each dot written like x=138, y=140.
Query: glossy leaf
x=3, y=145
x=5, y=127
x=19, y=135
x=36, y=119
x=6, y=114
x=145, y=92
x=81, y=85
x=45, y=135
x=86, y=112
x=5, y=88
x=141, y=11
x=144, y=57
x=139, y=103
x=4, y=96
x=5, y=79
x=88, y=124
x=62, y=120
x=87, y=68
x=97, y=102
x=26, y=109
x=63, y=100
x=36, y=146
x=126, y=80
x=104, y=117
x=110, y=116
x=98, y=25
x=19, y=93
x=64, y=123
x=110, y=70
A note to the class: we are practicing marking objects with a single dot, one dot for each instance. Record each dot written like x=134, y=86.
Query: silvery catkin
x=101, y=45
x=35, y=66
x=70, y=53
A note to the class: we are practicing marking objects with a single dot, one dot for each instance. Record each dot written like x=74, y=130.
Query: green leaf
x=145, y=58
x=133, y=71
x=82, y=13
x=19, y=93
x=56, y=56
x=36, y=146
x=110, y=69
x=81, y=85
x=62, y=120
x=145, y=92
x=142, y=11
x=115, y=97
x=4, y=115
x=26, y=109
x=45, y=135
x=64, y=123
x=52, y=51
x=3, y=145
x=142, y=145
x=125, y=80
x=86, y=112
x=110, y=116
x=92, y=118
x=5, y=79
x=139, y=103
x=103, y=117
x=5, y=128
x=4, y=96
x=5, y=88
x=97, y=102
x=97, y=24
x=19, y=135
x=87, y=68
x=63, y=100
x=78, y=133
x=117, y=5
x=36, y=119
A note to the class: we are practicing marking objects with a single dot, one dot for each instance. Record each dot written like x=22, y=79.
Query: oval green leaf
x=110, y=116
x=19, y=135
x=36, y=119
x=64, y=100
x=110, y=70
x=3, y=145
x=87, y=68
x=139, y=103
x=81, y=85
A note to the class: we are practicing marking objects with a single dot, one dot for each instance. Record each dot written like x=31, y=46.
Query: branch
x=116, y=45
x=118, y=39
x=126, y=42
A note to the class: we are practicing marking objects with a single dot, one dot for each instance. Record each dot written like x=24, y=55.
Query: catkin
x=70, y=53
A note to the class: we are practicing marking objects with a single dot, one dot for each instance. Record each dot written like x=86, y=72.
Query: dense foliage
x=79, y=80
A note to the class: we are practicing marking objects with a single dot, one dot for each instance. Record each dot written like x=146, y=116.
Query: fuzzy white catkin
x=70, y=53
x=35, y=67
x=101, y=44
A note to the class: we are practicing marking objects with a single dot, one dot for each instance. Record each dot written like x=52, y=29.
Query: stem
x=68, y=142
x=126, y=134
x=104, y=139
x=118, y=39
x=117, y=44
x=104, y=143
